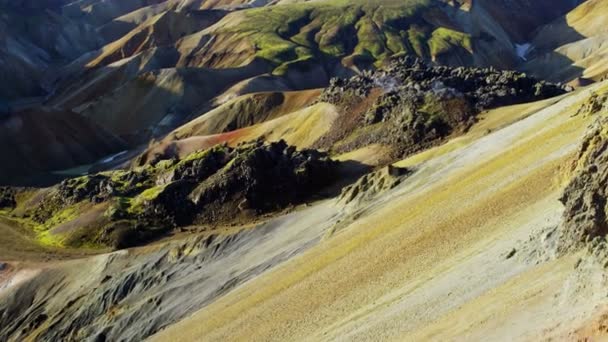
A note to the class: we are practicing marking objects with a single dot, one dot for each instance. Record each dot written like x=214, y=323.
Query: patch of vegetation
x=127, y=207
x=64, y=215
x=443, y=40
x=362, y=30
x=137, y=204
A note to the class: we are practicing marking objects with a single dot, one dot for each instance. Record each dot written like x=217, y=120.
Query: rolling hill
x=292, y=170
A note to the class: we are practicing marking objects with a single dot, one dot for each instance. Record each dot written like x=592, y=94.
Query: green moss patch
x=364, y=30
x=443, y=40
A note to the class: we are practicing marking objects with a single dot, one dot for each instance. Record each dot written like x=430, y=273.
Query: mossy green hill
x=357, y=33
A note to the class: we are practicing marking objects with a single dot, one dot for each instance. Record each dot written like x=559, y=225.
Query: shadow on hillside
x=545, y=62
x=138, y=116
x=349, y=172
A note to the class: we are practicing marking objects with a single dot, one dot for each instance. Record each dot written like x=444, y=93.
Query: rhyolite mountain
x=284, y=170
x=141, y=68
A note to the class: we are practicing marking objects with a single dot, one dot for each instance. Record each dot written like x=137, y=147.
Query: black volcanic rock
x=7, y=197
x=420, y=104
x=220, y=185
x=485, y=88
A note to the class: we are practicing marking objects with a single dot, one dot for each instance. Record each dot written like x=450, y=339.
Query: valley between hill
x=290, y=170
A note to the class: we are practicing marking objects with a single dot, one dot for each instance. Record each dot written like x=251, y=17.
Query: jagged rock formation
x=486, y=88
x=372, y=185
x=7, y=197
x=585, y=218
x=219, y=185
x=594, y=105
x=411, y=105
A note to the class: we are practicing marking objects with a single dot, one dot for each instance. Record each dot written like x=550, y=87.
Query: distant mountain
x=293, y=170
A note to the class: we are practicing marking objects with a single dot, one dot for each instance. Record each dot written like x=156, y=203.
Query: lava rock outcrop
x=484, y=87
x=221, y=185
x=419, y=104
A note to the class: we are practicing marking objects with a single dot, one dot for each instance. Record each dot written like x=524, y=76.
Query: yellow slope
x=413, y=260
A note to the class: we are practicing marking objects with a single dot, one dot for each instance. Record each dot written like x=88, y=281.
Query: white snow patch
x=522, y=50
x=113, y=157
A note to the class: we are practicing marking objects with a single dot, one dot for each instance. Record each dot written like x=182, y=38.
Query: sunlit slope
x=577, y=44
x=430, y=253
x=301, y=128
x=339, y=33
x=246, y=111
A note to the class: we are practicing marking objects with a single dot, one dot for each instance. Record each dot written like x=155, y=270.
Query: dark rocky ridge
x=7, y=197
x=421, y=104
x=221, y=185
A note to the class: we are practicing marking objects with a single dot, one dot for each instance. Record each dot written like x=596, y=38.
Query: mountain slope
x=98, y=58
x=406, y=263
x=398, y=271
x=45, y=140
x=278, y=170
x=574, y=45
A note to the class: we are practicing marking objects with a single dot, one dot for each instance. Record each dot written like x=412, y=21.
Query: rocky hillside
x=412, y=105
x=406, y=106
x=572, y=47
x=372, y=170
x=221, y=185
x=482, y=202
x=585, y=220
x=162, y=64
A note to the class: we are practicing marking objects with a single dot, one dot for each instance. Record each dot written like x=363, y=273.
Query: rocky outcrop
x=221, y=185
x=420, y=104
x=595, y=104
x=373, y=184
x=484, y=88
x=585, y=198
x=265, y=178
x=7, y=197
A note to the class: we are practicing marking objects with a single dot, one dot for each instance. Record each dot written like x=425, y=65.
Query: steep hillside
x=334, y=34
x=573, y=46
x=155, y=102
x=107, y=59
x=521, y=18
x=429, y=260
x=245, y=111
x=408, y=260
x=406, y=105
x=290, y=46
x=211, y=188
x=160, y=30
x=287, y=170
x=42, y=140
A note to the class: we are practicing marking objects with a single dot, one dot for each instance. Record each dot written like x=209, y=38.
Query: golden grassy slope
x=391, y=273
x=247, y=110
x=301, y=128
